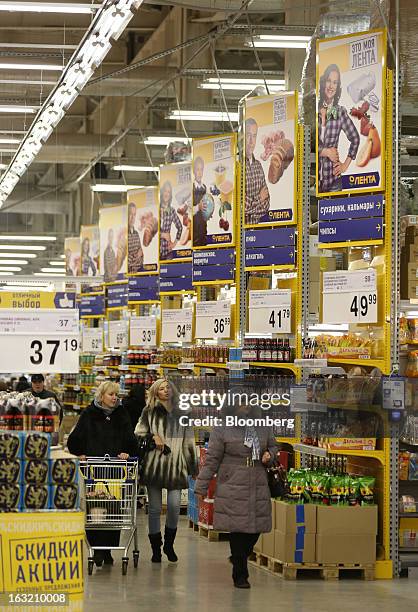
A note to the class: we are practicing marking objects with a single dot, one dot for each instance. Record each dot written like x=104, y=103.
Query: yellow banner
x=36, y=299
x=41, y=552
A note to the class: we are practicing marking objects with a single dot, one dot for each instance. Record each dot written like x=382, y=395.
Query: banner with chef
x=143, y=231
x=113, y=223
x=350, y=96
x=270, y=159
x=214, y=200
x=175, y=211
x=90, y=250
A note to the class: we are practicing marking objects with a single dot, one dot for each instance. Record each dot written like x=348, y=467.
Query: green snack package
x=367, y=484
x=354, y=491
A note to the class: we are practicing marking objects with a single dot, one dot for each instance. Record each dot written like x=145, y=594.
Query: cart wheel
x=136, y=558
x=124, y=566
x=90, y=566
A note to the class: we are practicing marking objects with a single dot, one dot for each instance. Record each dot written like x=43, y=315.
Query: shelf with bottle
x=267, y=351
x=318, y=451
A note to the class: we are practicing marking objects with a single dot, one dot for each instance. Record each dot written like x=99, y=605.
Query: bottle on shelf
x=287, y=351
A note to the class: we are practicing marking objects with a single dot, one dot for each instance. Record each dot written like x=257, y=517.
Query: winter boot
x=240, y=572
x=169, y=537
x=156, y=543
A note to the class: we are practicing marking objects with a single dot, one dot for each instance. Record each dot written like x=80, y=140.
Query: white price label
x=143, y=331
x=64, y=321
x=177, y=325
x=92, y=339
x=118, y=334
x=349, y=297
x=39, y=353
x=270, y=311
x=213, y=319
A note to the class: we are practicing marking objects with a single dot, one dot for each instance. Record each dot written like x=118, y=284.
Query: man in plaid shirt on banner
x=257, y=197
x=135, y=252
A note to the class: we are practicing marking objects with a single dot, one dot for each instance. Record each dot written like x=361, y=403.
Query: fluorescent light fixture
x=127, y=168
x=241, y=87
x=19, y=247
x=10, y=269
x=194, y=115
x=26, y=255
x=4, y=166
x=28, y=238
x=14, y=261
x=28, y=283
x=57, y=263
x=6, y=274
x=44, y=67
x=163, y=141
x=19, y=45
x=46, y=7
x=18, y=109
x=104, y=188
x=56, y=273
x=9, y=141
x=271, y=41
x=62, y=256
x=55, y=270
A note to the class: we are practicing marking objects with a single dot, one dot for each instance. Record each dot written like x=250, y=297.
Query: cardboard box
x=412, y=290
x=346, y=548
x=258, y=545
x=64, y=497
x=36, y=471
x=273, y=514
x=408, y=221
x=314, y=298
x=346, y=520
x=291, y=517
x=295, y=547
x=267, y=544
x=11, y=471
x=412, y=271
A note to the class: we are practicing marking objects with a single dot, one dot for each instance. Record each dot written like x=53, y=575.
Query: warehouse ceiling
x=130, y=94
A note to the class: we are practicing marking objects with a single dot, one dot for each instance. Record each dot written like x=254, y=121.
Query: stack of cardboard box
x=409, y=257
x=306, y=533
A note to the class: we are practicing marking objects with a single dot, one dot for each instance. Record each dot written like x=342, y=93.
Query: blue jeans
x=155, y=506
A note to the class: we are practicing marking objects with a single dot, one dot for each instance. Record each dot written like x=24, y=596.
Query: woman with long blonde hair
x=168, y=465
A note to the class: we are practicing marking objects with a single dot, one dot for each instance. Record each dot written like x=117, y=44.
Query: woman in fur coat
x=168, y=465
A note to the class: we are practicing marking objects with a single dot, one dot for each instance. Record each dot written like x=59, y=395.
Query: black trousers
x=97, y=537
x=242, y=545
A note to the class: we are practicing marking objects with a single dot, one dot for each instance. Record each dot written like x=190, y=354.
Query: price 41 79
x=277, y=318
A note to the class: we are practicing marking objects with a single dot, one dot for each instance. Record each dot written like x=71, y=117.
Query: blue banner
x=143, y=295
x=351, y=208
x=92, y=305
x=274, y=216
x=262, y=238
x=175, y=270
x=64, y=300
x=175, y=285
x=219, y=239
x=277, y=256
x=181, y=254
x=349, y=230
x=366, y=180
x=213, y=273
x=117, y=296
x=143, y=282
x=220, y=257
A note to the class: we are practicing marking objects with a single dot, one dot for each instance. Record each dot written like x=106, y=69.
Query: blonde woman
x=104, y=428
x=167, y=466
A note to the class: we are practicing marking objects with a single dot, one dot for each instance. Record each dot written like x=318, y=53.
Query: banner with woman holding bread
x=270, y=159
x=143, y=231
x=113, y=242
x=350, y=94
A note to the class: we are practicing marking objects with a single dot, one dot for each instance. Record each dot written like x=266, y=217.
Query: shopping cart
x=110, y=493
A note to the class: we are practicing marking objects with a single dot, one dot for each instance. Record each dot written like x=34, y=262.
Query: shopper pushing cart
x=104, y=428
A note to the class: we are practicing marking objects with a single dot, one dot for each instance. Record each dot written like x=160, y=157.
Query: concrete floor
x=201, y=582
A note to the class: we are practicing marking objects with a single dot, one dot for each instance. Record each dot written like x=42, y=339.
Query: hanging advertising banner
x=175, y=211
x=270, y=248
x=36, y=299
x=90, y=250
x=143, y=289
x=176, y=277
x=117, y=296
x=213, y=266
x=113, y=223
x=350, y=95
x=92, y=306
x=72, y=252
x=270, y=159
x=214, y=198
x=143, y=231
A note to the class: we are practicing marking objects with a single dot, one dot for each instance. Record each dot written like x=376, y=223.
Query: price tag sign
x=118, y=334
x=177, y=325
x=213, y=319
x=143, y=331
x=270, y=311
x=39, y=341
x=92, y=338
x=349, y=297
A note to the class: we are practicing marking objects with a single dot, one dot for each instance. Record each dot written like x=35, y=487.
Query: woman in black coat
x=104, y=428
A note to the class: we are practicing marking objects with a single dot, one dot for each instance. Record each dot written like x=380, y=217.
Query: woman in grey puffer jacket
x=242, y=506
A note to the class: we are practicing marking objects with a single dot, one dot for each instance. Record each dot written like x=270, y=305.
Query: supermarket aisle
x=201, y=581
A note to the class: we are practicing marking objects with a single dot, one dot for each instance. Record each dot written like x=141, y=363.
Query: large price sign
x=349, y=297
x=92, y=339
x=213, y=319
x=118, y=334
x=270, y=311
x=143, y=331
x=39, y=341
x=177, y=325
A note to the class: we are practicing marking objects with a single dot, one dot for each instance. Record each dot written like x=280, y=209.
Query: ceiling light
x=194, y=115
x=104, y=188
x=10, y=269
x=127, y=168
x=6, y=274
x=25, y=82
x=19, y=45
x=26, y=255
x=3, y=166
x=18, y=109
x=13, y=261
x=9, y=141
x=57, y=263
x=271, y=41
x=238, y=81
x=241, y=87
x=55, y=270
x=28, y=238
x=28, y=283
x=62, y=256
x=19, y=247
x=16, y=66
x=165, y=140
x=46, y=7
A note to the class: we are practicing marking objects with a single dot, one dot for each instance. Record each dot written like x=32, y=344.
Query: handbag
x=146, y=444
x=277, y=481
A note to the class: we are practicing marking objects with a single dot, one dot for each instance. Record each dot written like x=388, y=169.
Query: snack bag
x=353, y=491
x=367, y=484
x=339, y=493
x=403, y=465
